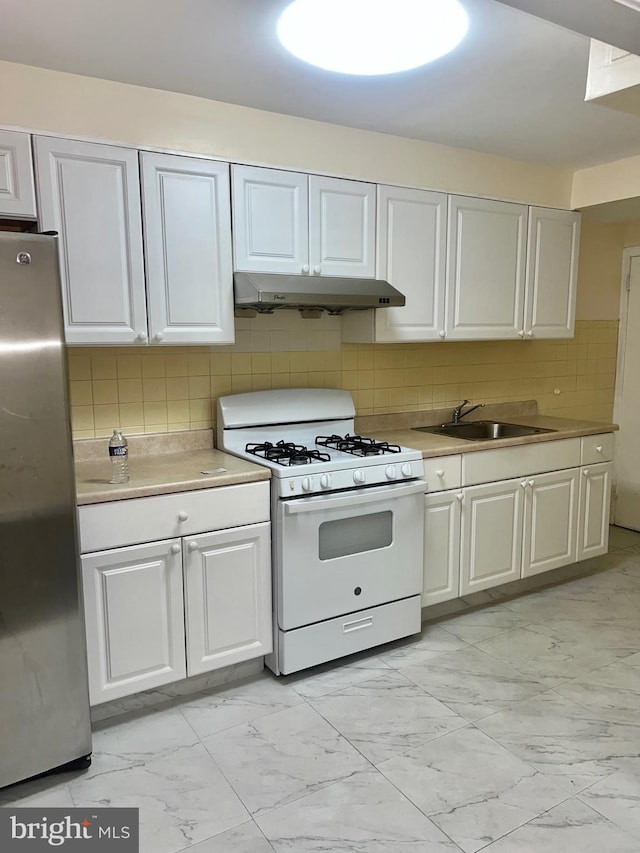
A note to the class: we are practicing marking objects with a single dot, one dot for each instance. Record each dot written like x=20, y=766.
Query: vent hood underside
x=265, y=292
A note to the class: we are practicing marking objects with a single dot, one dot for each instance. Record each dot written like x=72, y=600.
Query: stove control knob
x=391, y=472
x=325, y=480
x=406, y=470
x=358, y=477
x=307, y=484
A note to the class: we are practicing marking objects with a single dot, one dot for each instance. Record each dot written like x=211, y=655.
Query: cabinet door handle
x=599, y=448
x=142, y=338
x=530, y=333
x=523, y=484
x=158, y=336
x=460, y=496
x=521, y=333
x=532, y=482
x=440, y=472
x=305, y=268
x=183, y=516
x=175, y=548
x=316, y=269
x=585, y=472
x=192, y=546
x=441, y=333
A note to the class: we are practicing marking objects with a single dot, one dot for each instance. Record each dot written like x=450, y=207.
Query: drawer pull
x=599, y=448
x=523, y=484
x=585, y=472
x=183, y=516
x=460, y=496
x=440, y=472
x=357, y=625
x=192, y=546
x=532, y=483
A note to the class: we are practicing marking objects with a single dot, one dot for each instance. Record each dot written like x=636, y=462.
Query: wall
x=599, y=270
x=607, y=182
x=68, y=104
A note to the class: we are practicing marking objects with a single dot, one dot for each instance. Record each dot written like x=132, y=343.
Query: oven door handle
x=363, y=496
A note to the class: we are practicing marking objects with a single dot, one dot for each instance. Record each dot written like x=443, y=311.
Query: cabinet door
x=90, y=194
x=595, y=500
x=17, y=194
x=411, y=254
x=492, y=518
x=550, y=521
x=270, y=220
x=342, y=227
x=228, y=597
x=187, y=231
x=552, y=271
x=441, y=547
x=134, y=618
x=486, y=267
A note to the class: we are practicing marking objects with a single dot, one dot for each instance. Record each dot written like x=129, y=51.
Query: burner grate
x=357, y=445
x=286, y=453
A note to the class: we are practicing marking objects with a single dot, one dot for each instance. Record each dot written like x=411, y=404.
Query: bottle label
x=118, y=451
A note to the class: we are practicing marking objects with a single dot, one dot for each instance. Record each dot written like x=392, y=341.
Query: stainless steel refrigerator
x=44, y=704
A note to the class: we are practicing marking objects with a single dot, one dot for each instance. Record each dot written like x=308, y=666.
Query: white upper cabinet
x=270, y=220
x=90, y=194
x=486, y=268
x=187, y=233
x=411, y=254
x=552, y=272
x=342, y=227
x=287, y=222
x=17, y=193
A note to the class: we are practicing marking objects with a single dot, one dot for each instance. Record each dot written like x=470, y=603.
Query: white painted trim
x=627, y=255
x=260, y=164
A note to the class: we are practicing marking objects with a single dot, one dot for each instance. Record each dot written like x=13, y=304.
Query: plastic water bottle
x=119, y=455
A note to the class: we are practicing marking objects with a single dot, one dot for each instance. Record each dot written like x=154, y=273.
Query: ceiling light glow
x=371, y=37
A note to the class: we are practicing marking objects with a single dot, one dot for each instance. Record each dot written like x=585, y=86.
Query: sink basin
x=483, y=430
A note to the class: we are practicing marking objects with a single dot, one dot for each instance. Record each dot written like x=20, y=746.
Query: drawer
x=597, y=448
x=345, y=635
x=443, y=472
x=485, y=466
x=129, y=522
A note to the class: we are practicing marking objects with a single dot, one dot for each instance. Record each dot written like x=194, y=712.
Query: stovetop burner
x=286, y=453
x=357, y=445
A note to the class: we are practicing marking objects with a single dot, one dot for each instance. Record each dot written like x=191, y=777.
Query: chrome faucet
x=458, y=414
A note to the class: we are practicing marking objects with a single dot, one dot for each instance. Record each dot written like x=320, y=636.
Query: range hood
x=311, y=294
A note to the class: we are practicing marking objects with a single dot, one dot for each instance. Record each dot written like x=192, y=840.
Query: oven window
x=355, y=535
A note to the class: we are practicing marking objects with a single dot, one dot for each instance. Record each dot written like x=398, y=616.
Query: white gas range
x=347, y=523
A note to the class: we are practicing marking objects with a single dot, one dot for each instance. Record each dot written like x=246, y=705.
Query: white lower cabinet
x=595, y=500
x=550, y=521
x=134, y=618
x=230, y=628
x=442, y=517
x=491, y=535
x=163, y=610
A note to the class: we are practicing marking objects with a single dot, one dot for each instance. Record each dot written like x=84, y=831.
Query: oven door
x=346, y=551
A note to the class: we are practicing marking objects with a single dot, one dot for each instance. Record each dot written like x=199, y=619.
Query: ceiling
x=514, y=87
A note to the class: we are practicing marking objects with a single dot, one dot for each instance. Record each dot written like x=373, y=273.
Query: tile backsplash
x=158, y=389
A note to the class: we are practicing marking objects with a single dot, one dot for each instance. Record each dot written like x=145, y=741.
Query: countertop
x=159, y=467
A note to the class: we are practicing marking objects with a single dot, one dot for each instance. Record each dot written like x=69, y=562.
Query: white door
x=627, y=408
x=550, y=521
x=486, y=266
x=17, y=193
x=270, y=220
x=492, y=517
x=552, y=270
x=187, y=231
x=442, y=514
x=595, y=500
x=342, y=227
x=227, y=596
x=90, y=194
x=134, y=618
x=411, y=255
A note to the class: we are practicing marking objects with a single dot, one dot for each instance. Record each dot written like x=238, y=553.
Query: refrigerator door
x=44, y=707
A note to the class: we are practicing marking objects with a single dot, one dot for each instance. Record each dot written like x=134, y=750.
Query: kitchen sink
x=483, y=430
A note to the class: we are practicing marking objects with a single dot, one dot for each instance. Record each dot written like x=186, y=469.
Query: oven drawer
x=345, y=635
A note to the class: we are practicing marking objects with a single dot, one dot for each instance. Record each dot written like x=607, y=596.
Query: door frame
x=627, y=255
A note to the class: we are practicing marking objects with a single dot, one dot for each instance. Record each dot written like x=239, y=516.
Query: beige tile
x=82, y=418
x=153, y=366
x=240, y=363
x=221, y=385
x=177, y=388
x=105, y=391
x=154, y=390
x=176, y=365
x=199, y=387
x=299, y=362
x=81, y=393
x=261, y=362
x=279, y=362
x=298, y=380
x=83, y=433
x=198, y=365
x=200, y=411
x=261, y=381
x=154, y=413
x=130, y=391
x=79, y=367
x=104, y=366
x=129, y=367
x=106, y=417
x=220, y=363
x=178, y=411
x=241, y=383
x=131, y=414
x=178, y=427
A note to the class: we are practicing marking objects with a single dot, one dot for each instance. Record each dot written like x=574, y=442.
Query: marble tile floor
x=514, y=728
